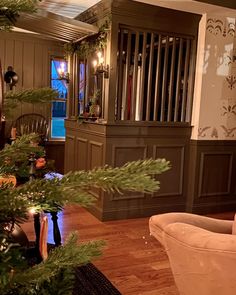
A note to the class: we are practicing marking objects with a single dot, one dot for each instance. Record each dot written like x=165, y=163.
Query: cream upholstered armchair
x=201, y=251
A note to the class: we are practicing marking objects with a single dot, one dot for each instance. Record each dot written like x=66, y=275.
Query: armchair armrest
x=158, y=223
x=192, y=236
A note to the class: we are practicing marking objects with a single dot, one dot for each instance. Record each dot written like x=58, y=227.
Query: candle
x=95, y=63
x=43, y=238
x=13, y=133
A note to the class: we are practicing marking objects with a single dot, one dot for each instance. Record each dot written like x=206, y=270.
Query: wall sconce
x=63, y=75
x=10, y=77
x=100, y=67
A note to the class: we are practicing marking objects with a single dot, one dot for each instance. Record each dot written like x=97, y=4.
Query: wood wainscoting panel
x=215, y=174
x=81, y=154
x=95, y=154
x=120, y=156
x=70, y=153
x=95, y=159
x=212, y=176
x=171, y=182
x=55, y=150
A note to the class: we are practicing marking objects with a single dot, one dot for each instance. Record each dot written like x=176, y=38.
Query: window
x=59, y=82
x=82, y=87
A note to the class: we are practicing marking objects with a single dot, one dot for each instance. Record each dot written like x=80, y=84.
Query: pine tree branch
x=32, y=95
x=133, y=176
x=74, y=187
x=19, y=152
x=35, y=96
x=67, y=257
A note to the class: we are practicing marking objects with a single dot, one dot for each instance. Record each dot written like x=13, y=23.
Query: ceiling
x=55, y=18
x=55, y=26
x=193, y=6
x=68, y=8
x=71, y=8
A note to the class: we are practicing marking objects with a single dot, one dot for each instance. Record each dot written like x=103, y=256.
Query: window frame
x=58, y=99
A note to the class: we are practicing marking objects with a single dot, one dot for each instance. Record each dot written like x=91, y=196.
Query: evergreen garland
x=10, y=10
x=90, y=45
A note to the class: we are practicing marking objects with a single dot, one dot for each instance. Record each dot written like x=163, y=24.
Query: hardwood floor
x=132, y=260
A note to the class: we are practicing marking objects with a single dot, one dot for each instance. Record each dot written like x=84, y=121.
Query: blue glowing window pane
x=58, y=116
x=59, y=109
x=57, y=128
x=59, y=85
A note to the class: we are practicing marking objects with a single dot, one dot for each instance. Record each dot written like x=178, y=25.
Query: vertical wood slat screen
x=158, y=73
x=120, y=75
x=185, y=81
x=150, y=69
x=172, y=72
x=155, y=74
x=191, y=81
x=164, y=80
x=143, y=66
x=127, y=69
x=178, y=80
x=135, y=76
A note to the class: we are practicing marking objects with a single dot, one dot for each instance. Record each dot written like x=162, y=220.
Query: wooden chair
x=32, y=123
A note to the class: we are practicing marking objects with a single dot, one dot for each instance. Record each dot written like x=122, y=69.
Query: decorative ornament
x=232, y=59
x=230, y=109
x=229, y=132
x=214, y=133
x=231, y=80
x=218, y=27
x=201, y=131
x=7, y=179
x=40, y=163
x=214, y=26
x=10, y=77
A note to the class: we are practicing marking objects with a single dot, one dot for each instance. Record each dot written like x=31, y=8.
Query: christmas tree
x=16, y=277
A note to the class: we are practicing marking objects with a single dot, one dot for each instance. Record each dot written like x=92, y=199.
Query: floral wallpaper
x=216, y=108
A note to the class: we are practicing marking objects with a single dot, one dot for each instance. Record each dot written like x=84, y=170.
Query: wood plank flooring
x=132, y=260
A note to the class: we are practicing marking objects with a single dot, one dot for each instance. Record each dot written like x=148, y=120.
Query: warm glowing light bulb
x=61, y=70
x=95, y=63
x=32, y=210
x=101, y=60
x=63, y=67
